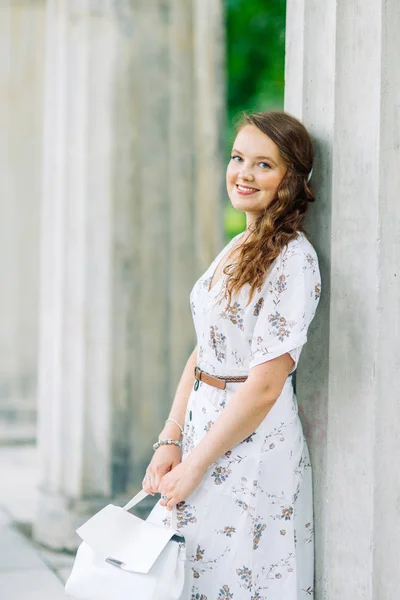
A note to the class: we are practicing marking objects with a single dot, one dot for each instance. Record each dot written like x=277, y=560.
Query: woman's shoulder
x=300, y=245
x=299, y=253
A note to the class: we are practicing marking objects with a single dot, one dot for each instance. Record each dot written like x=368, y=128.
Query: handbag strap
x=135, y=500
x=141, y=496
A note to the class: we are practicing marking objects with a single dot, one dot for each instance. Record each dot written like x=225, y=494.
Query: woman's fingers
x=151, y=481
x=171, y=503
x=159, y=473
x=164, y=460
x=148, y=490
x=164, y=501
x=164, y=495
x=168, y=499
x=168, y=495
x=147, y=484
x=157, y=478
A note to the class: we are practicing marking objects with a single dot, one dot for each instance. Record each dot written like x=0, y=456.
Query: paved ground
x=27, y=571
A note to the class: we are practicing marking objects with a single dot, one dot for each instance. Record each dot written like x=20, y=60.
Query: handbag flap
x=133, y=544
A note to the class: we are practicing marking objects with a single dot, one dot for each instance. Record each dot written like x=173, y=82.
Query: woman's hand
x=180, y=483
x=165, y=458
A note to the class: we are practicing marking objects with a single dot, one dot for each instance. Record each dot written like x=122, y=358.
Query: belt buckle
x=197, y=382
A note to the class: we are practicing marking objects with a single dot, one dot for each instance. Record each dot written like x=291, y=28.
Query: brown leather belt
x=218, y=382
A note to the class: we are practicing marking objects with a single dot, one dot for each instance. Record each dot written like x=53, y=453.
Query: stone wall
x=22, y=34
x=343, y=81
x=131, y=216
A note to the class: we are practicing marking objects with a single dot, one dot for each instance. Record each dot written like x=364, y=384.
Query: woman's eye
x=262, y=164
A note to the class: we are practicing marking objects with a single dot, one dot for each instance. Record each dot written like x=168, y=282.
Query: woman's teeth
x=246, y=190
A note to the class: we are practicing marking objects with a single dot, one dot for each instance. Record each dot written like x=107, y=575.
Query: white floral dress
x=249, y=525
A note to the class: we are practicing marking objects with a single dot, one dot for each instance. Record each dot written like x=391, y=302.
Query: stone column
x=209, y=77
x=196, y=167
x=181, y=127
x=343, y=81
x=119, y=246
x=21, y=121
x=182, y=169
x=87, y=299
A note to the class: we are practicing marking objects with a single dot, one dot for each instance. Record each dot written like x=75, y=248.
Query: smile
x=244, y=190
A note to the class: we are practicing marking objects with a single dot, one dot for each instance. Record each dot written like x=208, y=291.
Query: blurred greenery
x=255, y=71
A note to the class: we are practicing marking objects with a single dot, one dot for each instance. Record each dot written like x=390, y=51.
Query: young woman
x=242, y=485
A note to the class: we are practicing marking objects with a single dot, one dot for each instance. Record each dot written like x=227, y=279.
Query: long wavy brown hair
x=283, y=218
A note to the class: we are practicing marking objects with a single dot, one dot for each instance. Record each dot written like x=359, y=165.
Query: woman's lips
x=244, y=190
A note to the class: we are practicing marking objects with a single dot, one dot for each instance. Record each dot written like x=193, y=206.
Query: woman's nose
x=245, y=173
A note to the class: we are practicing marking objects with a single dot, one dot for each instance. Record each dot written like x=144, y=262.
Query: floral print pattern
x=258, y=531
x=185, y=514
x=310, y=262
x=228, y=530
x=224, y=593
x=217, y=342
x=258, y=307
x=279, y=326
x=220, y=474
x=196, y=596
x=249, y=524
x=234, y=313
x=245, y=577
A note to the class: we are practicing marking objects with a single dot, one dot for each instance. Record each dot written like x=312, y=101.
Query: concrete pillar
x=21, y=120
x=118, y=246
x=210, y=126
x=180, y=101
x=87, y=295
x=152, y=385
x=343, y=81
x=196, y=166
x=182, y=169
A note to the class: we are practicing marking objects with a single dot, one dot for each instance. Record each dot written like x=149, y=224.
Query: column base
x=58, y=518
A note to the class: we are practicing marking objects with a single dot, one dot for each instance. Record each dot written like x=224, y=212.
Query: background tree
x=255, y=70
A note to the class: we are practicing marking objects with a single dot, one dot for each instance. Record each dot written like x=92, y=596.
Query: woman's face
x=254, y=172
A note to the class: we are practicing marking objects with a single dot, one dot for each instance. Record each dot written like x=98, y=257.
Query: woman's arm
x=245, y=412
x=166, y=458
x=178, y=409
x=239, y=419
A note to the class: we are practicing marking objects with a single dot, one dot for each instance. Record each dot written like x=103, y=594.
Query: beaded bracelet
x=167, y=443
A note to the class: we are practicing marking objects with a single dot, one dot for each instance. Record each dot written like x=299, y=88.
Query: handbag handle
x=141, y=496
x=135, y=500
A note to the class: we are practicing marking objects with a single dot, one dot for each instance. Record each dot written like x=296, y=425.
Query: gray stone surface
x=64, y=573
x=27, y=571
x=5, y=519
x=31, y=584
x=347, y=92
x=22, y=37
x=15, y=553
x=19, y=468
x=131, y=216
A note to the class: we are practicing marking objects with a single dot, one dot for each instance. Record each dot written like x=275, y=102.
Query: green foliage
x=255, y=54
x=255, y=64
x=234, y=221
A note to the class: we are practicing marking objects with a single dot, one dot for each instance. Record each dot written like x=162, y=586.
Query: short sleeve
x=286, y=305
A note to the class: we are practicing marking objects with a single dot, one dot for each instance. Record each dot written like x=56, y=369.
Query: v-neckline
x=230, y=246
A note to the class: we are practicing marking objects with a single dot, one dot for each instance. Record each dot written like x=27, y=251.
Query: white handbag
x=123, y=557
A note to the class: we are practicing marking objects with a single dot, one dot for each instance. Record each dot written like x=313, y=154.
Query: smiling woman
x=242, y=487
x=252, y=175
x=267, y=179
